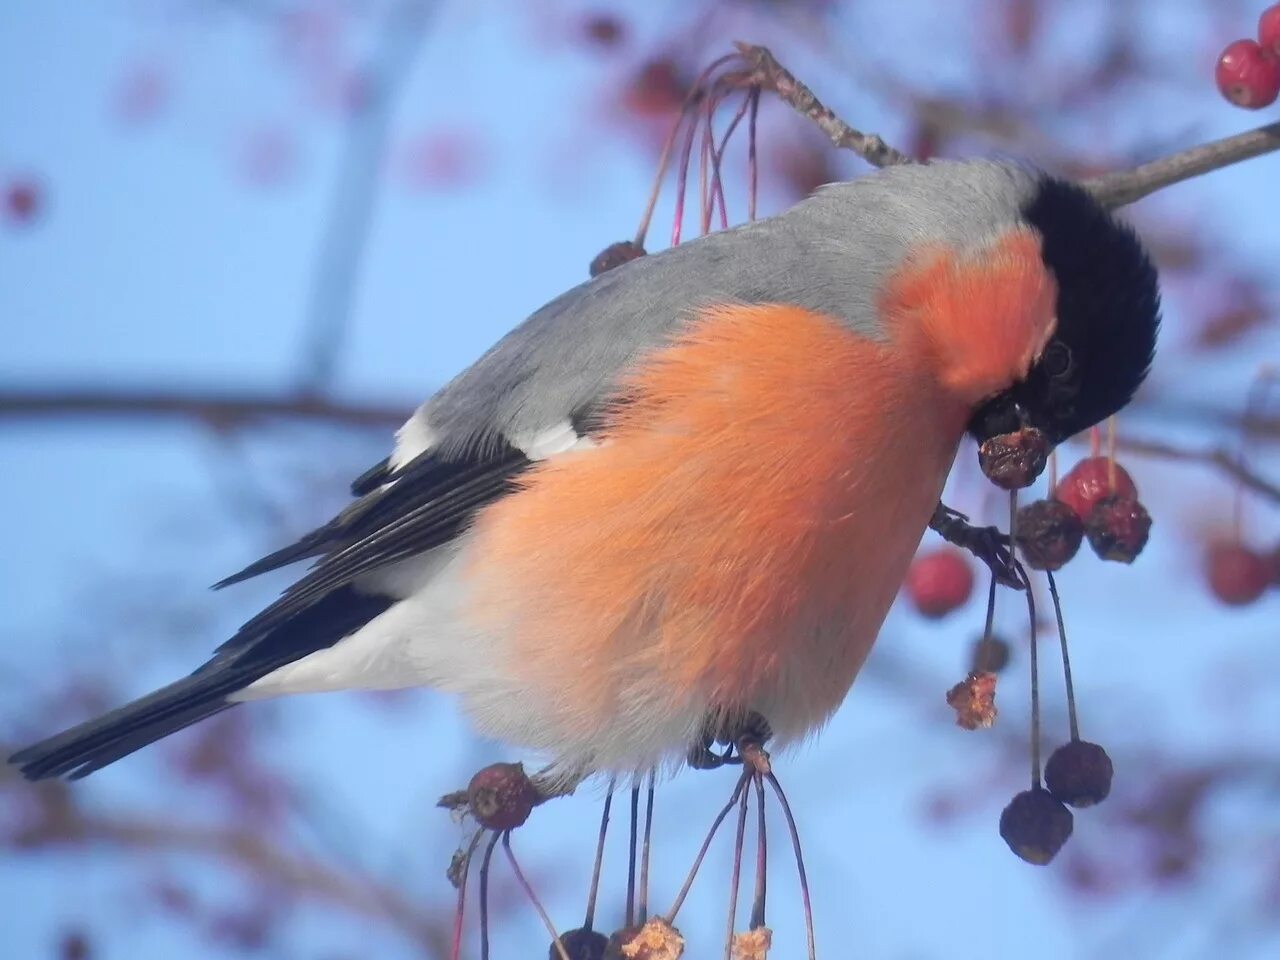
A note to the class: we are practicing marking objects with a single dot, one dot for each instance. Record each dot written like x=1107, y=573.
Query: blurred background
x=241, y=239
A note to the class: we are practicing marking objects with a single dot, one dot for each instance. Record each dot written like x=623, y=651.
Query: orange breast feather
x=738, y=534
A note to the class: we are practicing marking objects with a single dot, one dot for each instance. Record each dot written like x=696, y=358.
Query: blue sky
x=154, y=264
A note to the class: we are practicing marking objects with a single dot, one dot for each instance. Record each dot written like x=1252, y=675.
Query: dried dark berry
x=1013, y=460
x=615, y=255
x=1048, y=533
x=581, y=944
x=501, y=796
x=1118, y=528
x=1035, y=825
x=1079, y=773
x=990, y=655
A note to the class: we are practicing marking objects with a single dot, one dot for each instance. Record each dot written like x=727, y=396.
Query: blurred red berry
x=939, y=582
x=603, y=30
x=22, y=201
x=1269, y=30
x=1247, y=76
x=1237, y=575
x=1089, y=481
x=655, y=89
x=141, y=94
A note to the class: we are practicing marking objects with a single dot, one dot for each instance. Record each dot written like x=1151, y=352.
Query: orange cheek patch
x=983, y=318
x=743, y=514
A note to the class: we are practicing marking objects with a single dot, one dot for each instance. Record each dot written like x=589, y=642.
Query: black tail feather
x=245, y=658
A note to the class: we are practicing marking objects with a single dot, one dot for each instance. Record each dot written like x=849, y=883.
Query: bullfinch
x=685, y=492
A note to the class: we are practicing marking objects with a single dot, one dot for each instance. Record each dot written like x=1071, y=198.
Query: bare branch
x=1224, y=460
x=1127, y=186
x=218, y=409
x=769, y=74
x=346, y=231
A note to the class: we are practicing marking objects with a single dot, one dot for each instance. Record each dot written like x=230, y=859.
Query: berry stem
x=455, y=950
x=1111, y=453
x=589, y=920
x=643, y=911
x=805, y=900
x=1066, y=658
x=1053, y=470
x=484, y=897
x=1035, y=666
x=631, y=855
x=664, y=161
x=1095, y=441
x=762, y=858
x=706, y=845
x=735, y=876
x=533, y=897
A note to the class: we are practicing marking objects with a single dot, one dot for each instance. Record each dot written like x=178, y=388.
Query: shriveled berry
x=1035, y=825
x=1269, y=31
x=1247, y=76
x=1089, y=481
x=1237, y=575
x=501, y=796
x=1048, y=533
x=989, y=655
x=656, y=940
x=939, y=582
x=1118, y=528
x=581, y=944
x=615, y=255
x=1079, y=773
x=1013, y=460
x=974, y=701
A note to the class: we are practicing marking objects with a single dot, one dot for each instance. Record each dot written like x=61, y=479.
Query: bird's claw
x=988, y=544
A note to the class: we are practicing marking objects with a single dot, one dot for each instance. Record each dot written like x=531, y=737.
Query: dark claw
x=988, y=544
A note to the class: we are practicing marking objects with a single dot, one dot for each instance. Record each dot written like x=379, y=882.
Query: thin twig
x=1072, y=720
x=643, y=910
x=768, y=73
x=346, y=232
x=631, y=855
x=1127, y=186
x=455, y=951
x=1217, y=457
x=762, y=859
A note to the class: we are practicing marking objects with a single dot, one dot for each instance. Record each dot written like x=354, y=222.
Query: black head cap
x=1108, y=315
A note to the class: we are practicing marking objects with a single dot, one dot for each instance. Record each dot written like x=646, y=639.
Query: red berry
x=1118, y=528
x=1247, y=76
x=22, y=200
x=1089, y=481
x=1269, y=30
x=501, y=796
x=939, y=582
x=1237, y=575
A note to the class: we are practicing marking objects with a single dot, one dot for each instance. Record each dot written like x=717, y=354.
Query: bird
x=678, y=500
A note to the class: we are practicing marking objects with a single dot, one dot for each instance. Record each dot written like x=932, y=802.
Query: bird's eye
x=1056, y=360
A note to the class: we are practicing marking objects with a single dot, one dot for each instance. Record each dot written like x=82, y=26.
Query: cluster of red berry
x=1248, y=72
x=1097, y=500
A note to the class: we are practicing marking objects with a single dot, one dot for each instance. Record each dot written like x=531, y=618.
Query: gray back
x=831, y=253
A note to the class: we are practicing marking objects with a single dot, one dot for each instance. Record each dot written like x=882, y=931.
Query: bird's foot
x=743, y=740
x=988, y=544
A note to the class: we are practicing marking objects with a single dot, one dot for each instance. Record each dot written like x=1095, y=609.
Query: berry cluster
x=1248, y=71
x=1097, y=499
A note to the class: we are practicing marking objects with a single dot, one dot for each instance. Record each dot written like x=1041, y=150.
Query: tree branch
x=769, y=74
x=1217, y=457
x=218, y=409
x=1127, y=186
